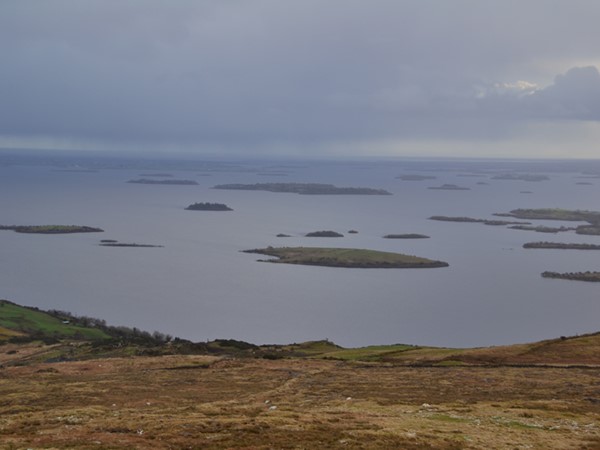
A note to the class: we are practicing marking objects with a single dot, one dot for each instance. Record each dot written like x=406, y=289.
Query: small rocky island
x=51, y=229
x=208, y=207
x=304, y=188
x=325, y=233
x=345, y=257
x=577, y=276
x=167, y=182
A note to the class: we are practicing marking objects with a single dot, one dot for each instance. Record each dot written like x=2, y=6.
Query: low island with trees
x=304, y=188
x=576, y=276
x=345, y=257
x=324, y=233
x=51, y=229
x=206, y=206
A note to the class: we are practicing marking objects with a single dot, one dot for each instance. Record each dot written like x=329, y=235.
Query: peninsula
x=208, y=207
x=304, y=188
x=345, y=257
x=168, y=182
x=51, y=229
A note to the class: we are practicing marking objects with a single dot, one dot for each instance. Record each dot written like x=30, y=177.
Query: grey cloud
x=250, y=72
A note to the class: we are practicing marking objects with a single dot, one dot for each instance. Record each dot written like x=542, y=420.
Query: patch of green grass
x=32, y=322
x=370, y=353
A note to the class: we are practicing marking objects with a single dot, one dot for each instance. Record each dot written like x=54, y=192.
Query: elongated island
x=51, y=229
x=304, y=188
x=345, y=257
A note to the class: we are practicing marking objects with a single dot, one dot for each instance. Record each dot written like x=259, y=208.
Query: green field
x=28, y=321
x=345, y=257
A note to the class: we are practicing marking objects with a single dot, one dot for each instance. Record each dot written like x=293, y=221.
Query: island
x=327, y=234
x=304, y=188
x=520, y=177
x=168, y=182
x=561, y=246
x=541, y=228
x=577, y=276
x=450, y=187
x=492, y=222
x=406, y=236
x=283, y=235
x=592, y=217
x=112, y=243
x=156, y=175
x=51, y=229
x=416, y=177
x=208, y=207
x=345, y=257
x=352, y=231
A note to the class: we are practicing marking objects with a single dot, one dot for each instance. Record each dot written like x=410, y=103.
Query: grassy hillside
x=20, y=320
x=126, y=393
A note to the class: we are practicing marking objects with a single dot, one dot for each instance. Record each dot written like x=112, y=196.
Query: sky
x=334, y=78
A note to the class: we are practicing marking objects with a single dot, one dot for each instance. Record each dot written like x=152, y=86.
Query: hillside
x=135, y=394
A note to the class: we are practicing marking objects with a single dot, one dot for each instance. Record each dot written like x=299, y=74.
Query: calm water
x=200, y=286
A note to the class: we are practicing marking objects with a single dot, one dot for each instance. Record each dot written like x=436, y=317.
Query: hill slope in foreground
x=228, y=394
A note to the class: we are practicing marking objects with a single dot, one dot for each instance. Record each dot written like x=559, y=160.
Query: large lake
x=200, y=286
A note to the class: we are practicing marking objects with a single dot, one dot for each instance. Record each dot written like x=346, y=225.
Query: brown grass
x=202, y=402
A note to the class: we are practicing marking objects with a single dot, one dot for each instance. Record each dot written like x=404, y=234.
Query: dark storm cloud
x=252, y=72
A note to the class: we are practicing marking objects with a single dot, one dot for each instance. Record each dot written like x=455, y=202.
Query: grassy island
x=577, y=276
x=304, y=188
x=208, y=207
x=51, y=229
x=345, y=257
x=168, y=182
x=561, y=246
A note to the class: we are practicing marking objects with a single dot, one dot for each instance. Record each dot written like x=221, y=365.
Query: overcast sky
x=303, y=77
